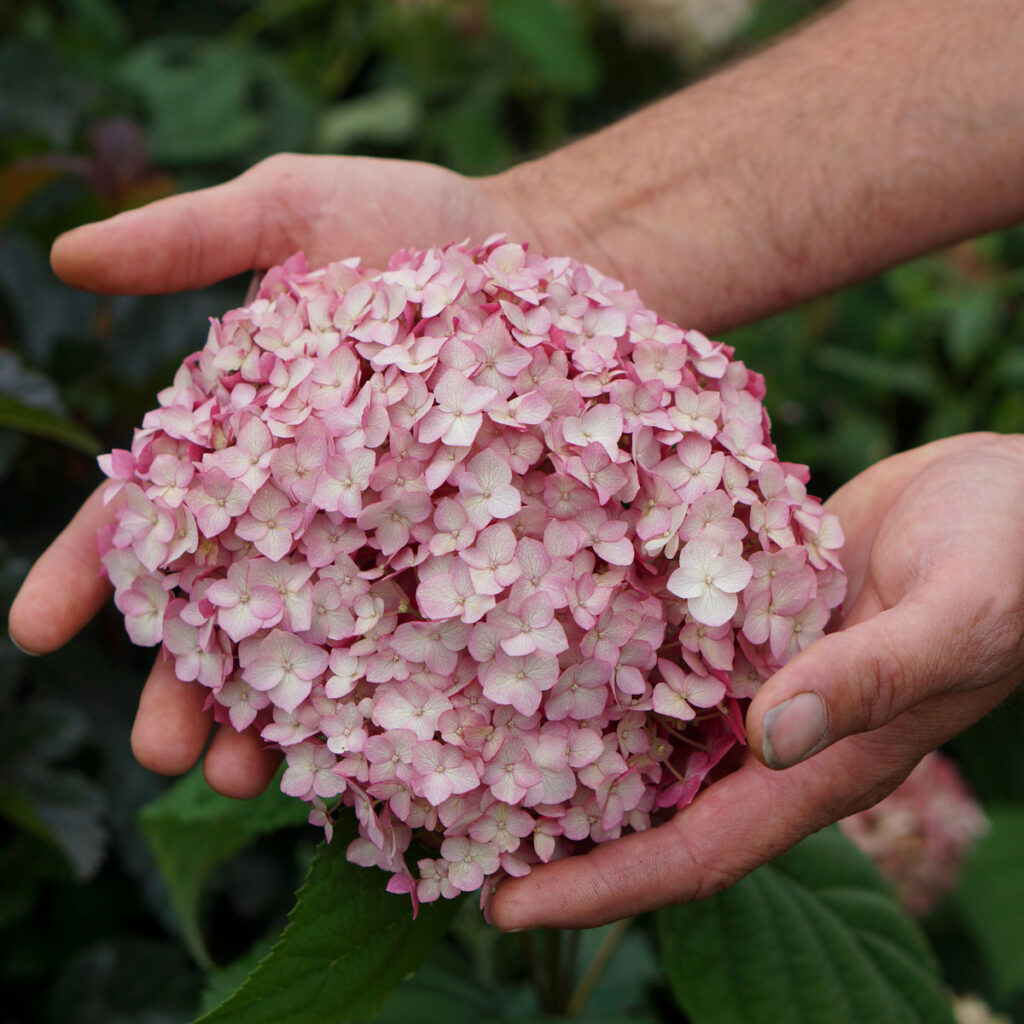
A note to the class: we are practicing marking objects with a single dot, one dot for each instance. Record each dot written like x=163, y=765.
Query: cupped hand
x=329, y=207
x=932, y=639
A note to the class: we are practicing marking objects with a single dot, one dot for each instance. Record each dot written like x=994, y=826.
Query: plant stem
x=552, y=969
x=596, y=967
x=570, y=945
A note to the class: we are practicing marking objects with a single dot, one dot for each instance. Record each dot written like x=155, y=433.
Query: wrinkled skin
x=932, y=639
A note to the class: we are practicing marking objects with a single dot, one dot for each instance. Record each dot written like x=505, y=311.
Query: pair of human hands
x=933, y=631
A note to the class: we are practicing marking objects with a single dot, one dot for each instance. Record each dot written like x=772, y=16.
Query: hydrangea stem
x=551, y=959
x=578, y=1000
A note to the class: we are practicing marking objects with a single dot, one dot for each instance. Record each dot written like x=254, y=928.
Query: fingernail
x=31, y=654
x=794, y=729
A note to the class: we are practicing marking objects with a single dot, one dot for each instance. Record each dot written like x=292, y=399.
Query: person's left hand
x=329, y=206
x=932, y=639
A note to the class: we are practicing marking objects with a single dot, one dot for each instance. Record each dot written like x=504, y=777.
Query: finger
x=185, y=241
x=66, y=586
x=863, y=676
x=736, y=824
x=240, y=764
x=171, y=726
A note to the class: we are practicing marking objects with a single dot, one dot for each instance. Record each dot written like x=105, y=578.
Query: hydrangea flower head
x=490, y=551
x=921, y=834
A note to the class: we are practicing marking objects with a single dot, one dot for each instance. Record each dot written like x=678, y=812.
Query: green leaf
x=882, y=375
x=223, y=982
x=991, y=898
x=437, y=996
x=71, y=807
x=197, y=94
x=123, y=979
x=973, y=327
x=99, y=23
x=389, y=116
x=348, y=944
x=552, y=37
x=192, y=830
x=15, y=415
x=815, y=937
x=471, y=134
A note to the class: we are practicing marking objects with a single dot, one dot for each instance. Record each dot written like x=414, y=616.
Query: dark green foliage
x=815, y=937
x=991, y=899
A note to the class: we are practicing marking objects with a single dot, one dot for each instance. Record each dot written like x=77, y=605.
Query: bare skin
x=879, y=132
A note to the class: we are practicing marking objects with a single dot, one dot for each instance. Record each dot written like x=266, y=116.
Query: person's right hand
x=329, y=207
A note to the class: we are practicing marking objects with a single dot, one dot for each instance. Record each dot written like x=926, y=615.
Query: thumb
x=860, y=678
x=188, y=240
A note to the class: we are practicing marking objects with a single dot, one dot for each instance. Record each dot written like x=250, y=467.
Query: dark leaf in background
x=195, y=93
x=18, y=416
x=54, y=803
x=192, y=830
x=991, y=898
x=133, y=981
x=974, y=327
x=211, y=100
x=816, y=937
x=39, y=98
x=29, y=387
x=70, y=809
x=153, y=334
x=44, y=309
x=471, y=134
x=388, y=116
x=879, y=374
x=553, y=39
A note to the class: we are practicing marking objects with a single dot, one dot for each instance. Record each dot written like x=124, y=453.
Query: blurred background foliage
x=105, y=105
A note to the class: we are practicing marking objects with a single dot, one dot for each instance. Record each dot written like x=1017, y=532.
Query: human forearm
x=876, y=133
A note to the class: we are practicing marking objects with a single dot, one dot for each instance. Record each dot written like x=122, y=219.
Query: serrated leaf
x=991, y=898
x=815, y=937
x=192, y=830
x=347, y=945
x=552, y=37
x=223, y=982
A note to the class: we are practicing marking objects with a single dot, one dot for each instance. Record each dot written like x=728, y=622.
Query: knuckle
x=277, y=166
x=884, y=686
x=712, y=880
x=192, y=230
x=996, y=634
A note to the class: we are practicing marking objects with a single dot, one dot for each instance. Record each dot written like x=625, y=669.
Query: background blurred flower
x=920, y=835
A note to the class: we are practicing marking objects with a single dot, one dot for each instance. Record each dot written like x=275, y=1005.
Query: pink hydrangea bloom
x=920, y=835
x=486, y=548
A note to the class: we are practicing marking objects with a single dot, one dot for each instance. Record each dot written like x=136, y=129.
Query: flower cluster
x=489, y=550
x=919, y=836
